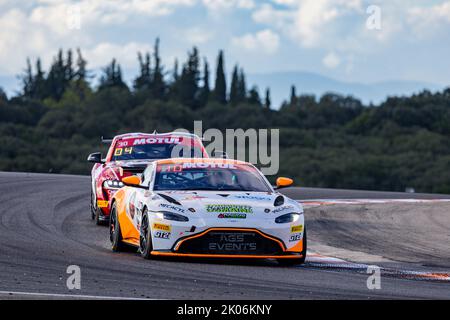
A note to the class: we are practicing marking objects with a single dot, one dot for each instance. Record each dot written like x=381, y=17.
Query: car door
x=139, y=196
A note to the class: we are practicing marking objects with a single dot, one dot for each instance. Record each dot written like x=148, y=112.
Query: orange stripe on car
x=225, y=256
x=229, y=229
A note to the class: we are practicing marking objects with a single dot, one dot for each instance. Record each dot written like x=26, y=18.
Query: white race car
x=207, y=208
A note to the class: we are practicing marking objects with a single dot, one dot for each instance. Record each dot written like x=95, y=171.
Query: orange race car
x=207, y=208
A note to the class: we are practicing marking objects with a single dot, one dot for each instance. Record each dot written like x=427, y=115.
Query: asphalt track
x=45, y=226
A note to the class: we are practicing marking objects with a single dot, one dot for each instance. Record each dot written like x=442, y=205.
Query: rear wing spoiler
x=106, y=140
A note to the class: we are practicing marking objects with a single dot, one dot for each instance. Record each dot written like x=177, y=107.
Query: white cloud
x=331, y=60
x=197, y=36
x=427, y=20
x=39, y=29
x=315, y=18
x=265, y=40
x=280, y=19
x=125, y=54
x=221, y=5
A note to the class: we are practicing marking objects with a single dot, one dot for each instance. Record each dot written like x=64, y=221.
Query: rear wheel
x=145, y=237
x=115, y=235
x=92, y=206
x=97, y=218
x=296, y=261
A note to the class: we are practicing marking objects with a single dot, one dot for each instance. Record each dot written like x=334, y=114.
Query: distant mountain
x=306, y=82
x=312, y=83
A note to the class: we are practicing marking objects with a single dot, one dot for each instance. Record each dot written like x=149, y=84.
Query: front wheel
x=145, y=237
x=115, y=235
x=296, y=261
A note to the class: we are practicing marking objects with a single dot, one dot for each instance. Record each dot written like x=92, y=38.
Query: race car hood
x=130, y=166
x=208, y=204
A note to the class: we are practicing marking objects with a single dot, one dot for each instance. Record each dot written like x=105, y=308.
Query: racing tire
x=115, y=234
x=92, y=206
x=97, y=219
x=145, y=237
x=296, y=261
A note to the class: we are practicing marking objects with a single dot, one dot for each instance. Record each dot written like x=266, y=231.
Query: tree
x=3, y=96
x=144, y=80
x=234, y=87
x=267, y=101
x=112, y=76
x=81, y=72
x=242, y=87
x=205, y=90
x=58, y=77
x=190, y=76
x=39, y=82
x=158, y=86
x=220, y=87
x=294, y=99
x=253, y=96
x=174, y=85
x=28, y=81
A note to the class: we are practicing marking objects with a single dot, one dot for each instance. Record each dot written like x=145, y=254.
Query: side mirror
x=220, y=154
x=95, y=157
x=284, y=182
x=132, y=181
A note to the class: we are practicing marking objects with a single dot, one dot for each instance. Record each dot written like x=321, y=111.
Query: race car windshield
x=214, y=177
x=154, y=151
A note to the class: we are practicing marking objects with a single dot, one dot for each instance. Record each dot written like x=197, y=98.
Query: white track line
x=59, y=295
x=325, y=202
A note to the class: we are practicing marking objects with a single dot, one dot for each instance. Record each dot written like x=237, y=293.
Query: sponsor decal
x=228, y=208
x=295, y=237
x=232, y=242
x=259, y=198
x=102, y=203
x=171, y=207
x=283, y=208
x=296, y=229
x=190, y=165
x=163, y=227
x=141, y=141
x=193, y=197
x=232, y=216
x=161, y=234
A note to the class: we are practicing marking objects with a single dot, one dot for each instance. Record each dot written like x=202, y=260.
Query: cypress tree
x=112, y=76
x=220, y=87
x=268, y=101
x=81, y=72
x=242, y=87
x=253, y=96
x=144, y=80
x=293, y=100
x=189, y=79
x=39, y=81
x=28, y=81
x=234, y=88
x=205, y=90
x=158, y=86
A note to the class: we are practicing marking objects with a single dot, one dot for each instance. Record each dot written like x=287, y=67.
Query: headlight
x=287, y=218
x=171, y=216
x=113, y=184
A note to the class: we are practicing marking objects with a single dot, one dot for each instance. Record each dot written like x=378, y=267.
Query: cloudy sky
x=329, y=37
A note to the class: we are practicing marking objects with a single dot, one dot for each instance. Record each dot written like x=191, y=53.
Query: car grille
x=231, y=243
